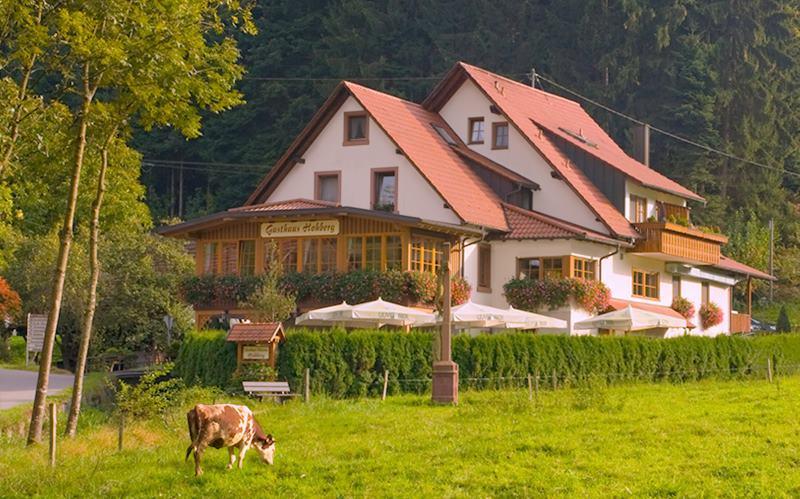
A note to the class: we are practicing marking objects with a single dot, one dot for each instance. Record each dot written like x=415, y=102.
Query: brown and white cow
x=226, y=425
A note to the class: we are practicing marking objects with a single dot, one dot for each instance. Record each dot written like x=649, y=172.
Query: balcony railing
x=740, y=323
x=676, y=242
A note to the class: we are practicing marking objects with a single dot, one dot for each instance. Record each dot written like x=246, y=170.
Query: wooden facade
x=418, y=245
x=679, y=242
x=349, y=227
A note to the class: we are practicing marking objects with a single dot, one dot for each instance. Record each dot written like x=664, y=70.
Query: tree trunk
x=94, y=265
x=16, y=118
x=39, y=402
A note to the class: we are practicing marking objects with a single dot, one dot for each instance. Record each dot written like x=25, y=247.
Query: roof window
x=578, y=136
x=444, y=134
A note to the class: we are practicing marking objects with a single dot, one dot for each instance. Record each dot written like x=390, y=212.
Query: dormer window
x=476, y=130
x=356, y=128
x=500, y=135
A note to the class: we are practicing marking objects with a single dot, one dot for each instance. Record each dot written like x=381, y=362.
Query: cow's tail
x=191, y=418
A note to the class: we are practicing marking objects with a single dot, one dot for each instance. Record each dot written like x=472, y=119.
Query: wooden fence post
x=536, y=384
x=121, y=431
x=555, y=379
x=53, y=427
x=307, y=384
x=769, y=369
x=530, y=388
x=385, y=384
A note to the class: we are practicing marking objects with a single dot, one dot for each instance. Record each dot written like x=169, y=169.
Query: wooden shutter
x=484, y=267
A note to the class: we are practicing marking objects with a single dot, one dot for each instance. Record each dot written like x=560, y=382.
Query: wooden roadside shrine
x=257, y=342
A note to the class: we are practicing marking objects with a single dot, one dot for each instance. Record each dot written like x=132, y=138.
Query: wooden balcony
x=673, y=242
x=740, y=323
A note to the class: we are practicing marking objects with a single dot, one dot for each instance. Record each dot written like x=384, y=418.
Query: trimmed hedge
x=205, y=358
x=351, y=364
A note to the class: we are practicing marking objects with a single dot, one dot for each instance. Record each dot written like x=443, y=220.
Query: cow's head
x=266, y=447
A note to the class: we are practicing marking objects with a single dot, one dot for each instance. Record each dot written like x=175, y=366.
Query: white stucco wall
x=652, y=197
x=555, y=198
x=416, y=197
x=616, y=273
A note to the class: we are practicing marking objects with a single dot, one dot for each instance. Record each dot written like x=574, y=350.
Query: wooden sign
x=300, y=229
x=255, y=352
x=37, y=323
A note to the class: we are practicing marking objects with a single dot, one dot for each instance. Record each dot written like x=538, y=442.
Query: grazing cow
x=226, y=425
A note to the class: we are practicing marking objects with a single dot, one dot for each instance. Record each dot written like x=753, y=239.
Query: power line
x=201, y=169
x=204, y=163
x=355, y=78
x=665, y=132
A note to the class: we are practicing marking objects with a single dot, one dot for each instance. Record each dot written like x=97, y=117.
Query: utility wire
x=357, y=78
x=201, y=169
x=665, y=132
x=203, y=163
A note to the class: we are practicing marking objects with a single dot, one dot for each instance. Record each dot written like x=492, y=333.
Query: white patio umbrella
x=474, y=315
x=630, y=319
x=325, y=316
x=375, y=313
x=520, y=319
x=390, y=313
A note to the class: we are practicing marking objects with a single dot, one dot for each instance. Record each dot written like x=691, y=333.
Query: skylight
x=444, y=134
x=578, y=136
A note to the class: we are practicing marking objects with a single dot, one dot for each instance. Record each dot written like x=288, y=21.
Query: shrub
x=683, y=306
x=351, y=364
x=534, y=294
x=710, y=315
x=205, y=358
x=784, y=325
x=153, y=395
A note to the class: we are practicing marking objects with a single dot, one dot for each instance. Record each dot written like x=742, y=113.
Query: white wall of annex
x=616, y=274
x=652, y=197
x=416, y=197
x=555, y=198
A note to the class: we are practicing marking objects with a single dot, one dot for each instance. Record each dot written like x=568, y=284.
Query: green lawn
x=709, y=438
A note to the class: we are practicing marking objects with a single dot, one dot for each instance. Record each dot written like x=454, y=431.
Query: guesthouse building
x=530, y=191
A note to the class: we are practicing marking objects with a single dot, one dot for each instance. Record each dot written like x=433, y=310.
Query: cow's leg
x=231, y=457
x=242, y=450
x=198, y=452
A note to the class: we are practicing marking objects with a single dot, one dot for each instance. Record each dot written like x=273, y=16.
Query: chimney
x=641, y=143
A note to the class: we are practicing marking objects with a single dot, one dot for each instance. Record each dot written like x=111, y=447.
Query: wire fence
x=556, y=379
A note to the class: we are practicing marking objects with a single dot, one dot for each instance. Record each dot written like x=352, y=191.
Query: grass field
x=710, y=438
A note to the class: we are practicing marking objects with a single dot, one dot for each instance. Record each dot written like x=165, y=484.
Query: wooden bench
x=261, y=389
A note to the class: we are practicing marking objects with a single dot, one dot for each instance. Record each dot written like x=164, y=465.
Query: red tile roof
x=617, y=304
x=566, y=119
x=258, y=332
x=408, y=125
x=291, y=204
x=732, y=265
x=528, y=224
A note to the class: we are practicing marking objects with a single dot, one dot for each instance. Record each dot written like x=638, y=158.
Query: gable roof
x=409, y=127
x=256, y=332
x=534, y=111
x=568, y=120
x=529, y=224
